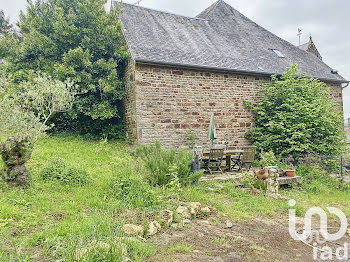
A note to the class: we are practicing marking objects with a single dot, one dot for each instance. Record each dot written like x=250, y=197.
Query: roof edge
x=245, y=72
x=160, y=11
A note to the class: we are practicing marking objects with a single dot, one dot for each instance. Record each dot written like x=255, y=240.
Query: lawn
x=54, y=222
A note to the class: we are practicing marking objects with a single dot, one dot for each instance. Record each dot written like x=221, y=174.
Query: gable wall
x=170, y=102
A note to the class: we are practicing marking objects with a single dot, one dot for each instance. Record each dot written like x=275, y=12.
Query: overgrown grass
x=52, y=221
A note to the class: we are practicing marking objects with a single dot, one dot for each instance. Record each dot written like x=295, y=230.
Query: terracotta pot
x=290, y=173
x=262, y=174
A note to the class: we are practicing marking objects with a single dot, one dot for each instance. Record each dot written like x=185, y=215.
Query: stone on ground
x=195, y=208
x=167, y=217
x=131, y=229
x=154, y=228
x=184, y=211
x=206, y=211
x=229, y=224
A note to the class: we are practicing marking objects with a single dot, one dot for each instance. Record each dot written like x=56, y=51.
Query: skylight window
x=278, y=53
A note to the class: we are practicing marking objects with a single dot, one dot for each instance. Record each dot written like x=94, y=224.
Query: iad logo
x=320, y=232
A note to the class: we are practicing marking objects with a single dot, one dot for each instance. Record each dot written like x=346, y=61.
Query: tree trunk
x=15, y=152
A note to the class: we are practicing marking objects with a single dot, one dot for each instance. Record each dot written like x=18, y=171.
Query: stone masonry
x=165, y=103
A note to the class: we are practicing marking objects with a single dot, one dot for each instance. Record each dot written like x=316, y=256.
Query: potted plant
x=267, y=160
x=290, y=171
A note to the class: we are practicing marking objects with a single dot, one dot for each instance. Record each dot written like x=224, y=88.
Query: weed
x=180, y=248
x=131, y=188
x=57, y=169
x=222, y=241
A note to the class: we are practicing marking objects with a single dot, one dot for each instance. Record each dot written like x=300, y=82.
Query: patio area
x=228, y=164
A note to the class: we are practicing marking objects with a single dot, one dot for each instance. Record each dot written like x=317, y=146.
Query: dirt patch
x=257, y=240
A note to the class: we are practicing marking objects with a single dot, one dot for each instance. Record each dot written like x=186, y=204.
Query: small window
x=278, y=53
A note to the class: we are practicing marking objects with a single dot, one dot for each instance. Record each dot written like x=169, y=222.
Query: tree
x=297, y=117
x=23, y=119
x=75, y=40
x=5, y=25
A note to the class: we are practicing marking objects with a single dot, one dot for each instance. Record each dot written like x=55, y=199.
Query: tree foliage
x=5, y=25
x=297, y=117
x=24, y=113
x=75, y=40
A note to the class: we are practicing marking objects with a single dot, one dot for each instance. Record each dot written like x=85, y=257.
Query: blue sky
x=326, y=20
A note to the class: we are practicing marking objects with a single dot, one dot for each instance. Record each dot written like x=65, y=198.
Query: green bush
x=57, y=169
x=161, y=164
x=113, y=129
x=250, y=180
x=296, y=116
x=267, y=159
x=129, y=187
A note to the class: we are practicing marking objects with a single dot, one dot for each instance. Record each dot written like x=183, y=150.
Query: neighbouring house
x=183, y=68
x=311, y=47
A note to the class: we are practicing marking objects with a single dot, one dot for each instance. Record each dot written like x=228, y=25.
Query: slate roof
x=305, y=46
x=218, y=38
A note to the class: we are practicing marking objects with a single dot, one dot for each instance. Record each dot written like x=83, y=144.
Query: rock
x=206, y=211
x=130, y=229
x=167, y=217
x=184, y=211
x=186, y=222
x=229, y=224
x=154, y=228
x=213, y=210
x=195, y=208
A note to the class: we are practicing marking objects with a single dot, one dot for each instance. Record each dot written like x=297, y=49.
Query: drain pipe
x=347, y=84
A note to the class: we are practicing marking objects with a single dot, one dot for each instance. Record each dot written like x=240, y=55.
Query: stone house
x=183, y=68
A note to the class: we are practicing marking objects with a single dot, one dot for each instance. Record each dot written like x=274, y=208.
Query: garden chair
x=246, y=159
x=216, y=157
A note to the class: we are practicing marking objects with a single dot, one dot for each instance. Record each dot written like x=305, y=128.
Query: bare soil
x=257, y=240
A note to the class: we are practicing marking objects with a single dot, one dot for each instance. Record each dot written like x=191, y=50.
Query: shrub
x=297, y=117
x=249, y=180
x=161, y=164
x=57, y=169
x=267, y=159
x=128, y=186
x=315, y=180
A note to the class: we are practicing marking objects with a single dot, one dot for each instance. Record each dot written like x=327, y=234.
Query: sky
x=325, y=20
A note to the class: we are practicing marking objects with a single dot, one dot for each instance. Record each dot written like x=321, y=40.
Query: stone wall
x=130, y=101
x=170, y=102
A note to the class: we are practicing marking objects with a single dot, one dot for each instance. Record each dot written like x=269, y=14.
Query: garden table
x=228, y=155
